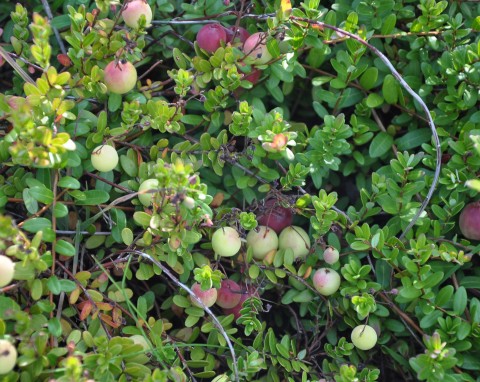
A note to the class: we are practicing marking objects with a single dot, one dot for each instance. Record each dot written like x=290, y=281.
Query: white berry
x=7, y=268
x=104, y=158
x=8, y=356
x=364, y=337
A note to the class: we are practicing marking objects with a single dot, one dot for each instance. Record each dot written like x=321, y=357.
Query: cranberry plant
x=239, y=191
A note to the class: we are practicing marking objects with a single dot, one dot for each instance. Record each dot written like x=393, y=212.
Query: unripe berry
x=104, y=158
x=364, y=337
x=7, y=269
x=326, y=281
x=189, y=202
x=331, y=255
x=120, y=77
x=262, y=240
x=133, y=10
x=208, y=297
x=8, y=356
x=226, y=242
x=295, y=238
x=256, y=48
x=146, y=198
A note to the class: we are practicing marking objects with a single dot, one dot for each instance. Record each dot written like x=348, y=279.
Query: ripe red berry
x=210, y=37
x=120, y=77
x=253, y=76
x=229, y=294
x=469, y=221
x=237, y=34
x=249, y=292
x=275, y=216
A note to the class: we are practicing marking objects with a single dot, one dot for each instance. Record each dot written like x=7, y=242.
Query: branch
x=398, y=76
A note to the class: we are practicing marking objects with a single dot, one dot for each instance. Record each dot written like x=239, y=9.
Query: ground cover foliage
x=317, y=126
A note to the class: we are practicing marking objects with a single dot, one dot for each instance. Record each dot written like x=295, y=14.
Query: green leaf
x=37, y=224
x=93, y=197
x=64, y=248
x=61, y=22
x=410, y=293
x=380, y=145
x=95, y=241
x=319, y=109
x=179, y=58
x=129, y=166
x=430, y=319
x=460, y=300
x=127, y=236
x=413, y=139
x=192, y=119
x=383, y=272
x=57, y=286
x=444, y=296
x=60, y=210
x=389, y=24
x=374, y=100
x=30, y=203
x=69, y=182
x=272, y=47
x=3, y=199
x=142, y=218
x=191, y=320
x=253, y=271
x=42, y=194
x=36, y=289
x=304, y=296
x=433, y=279
x=369, y=78
x=476, y=24
x=390, y=89
x=337, y=83
x=472, y=282
x=24, y=271
x=205, y=374
x=54, y=327
x=114, y=102
x=191, y=237
x=181, y=301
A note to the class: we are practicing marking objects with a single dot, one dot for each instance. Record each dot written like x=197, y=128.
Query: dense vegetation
x=239, y=190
